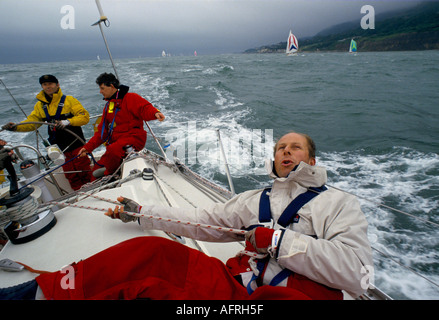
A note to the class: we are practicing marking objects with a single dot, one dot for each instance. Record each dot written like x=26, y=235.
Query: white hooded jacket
x=328, y=245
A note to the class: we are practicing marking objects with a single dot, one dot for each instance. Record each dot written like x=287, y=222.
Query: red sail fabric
x=153, y=268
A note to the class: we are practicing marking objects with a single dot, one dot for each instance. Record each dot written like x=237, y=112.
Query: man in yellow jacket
x=66, y=112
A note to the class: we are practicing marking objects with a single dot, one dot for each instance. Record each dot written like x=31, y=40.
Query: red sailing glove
x=259, y=239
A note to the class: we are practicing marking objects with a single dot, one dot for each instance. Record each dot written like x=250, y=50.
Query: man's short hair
x=309, y=140
x=107, y=79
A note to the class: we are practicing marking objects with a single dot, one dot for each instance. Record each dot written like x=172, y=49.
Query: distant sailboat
x=353, y=47
x=292, y=45
x=97, y=57
x=163, y=53
x=195, y=53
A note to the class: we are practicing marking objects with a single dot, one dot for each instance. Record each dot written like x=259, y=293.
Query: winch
x=25, y=222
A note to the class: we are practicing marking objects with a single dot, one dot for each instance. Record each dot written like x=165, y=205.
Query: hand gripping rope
x=182, y=222
x=141, y=215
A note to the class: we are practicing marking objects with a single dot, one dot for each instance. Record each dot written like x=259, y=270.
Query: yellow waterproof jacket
x=72, y=110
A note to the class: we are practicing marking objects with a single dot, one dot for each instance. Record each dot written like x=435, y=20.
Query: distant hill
x=413, y=29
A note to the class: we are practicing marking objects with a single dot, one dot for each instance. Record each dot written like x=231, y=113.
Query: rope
x=175, y=190
x=22, y=211
x=4, y=220
x=94, y=160
x=141, y=215
x=30, y=269
x=161, y=190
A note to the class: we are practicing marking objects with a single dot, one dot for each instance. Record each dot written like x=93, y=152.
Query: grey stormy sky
x=31, y=31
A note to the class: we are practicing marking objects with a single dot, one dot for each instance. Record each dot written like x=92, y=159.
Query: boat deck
x=82, y=232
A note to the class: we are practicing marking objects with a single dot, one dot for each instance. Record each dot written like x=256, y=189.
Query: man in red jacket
x=121, y=124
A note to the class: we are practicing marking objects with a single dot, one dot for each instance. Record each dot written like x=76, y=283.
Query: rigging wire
x=104, y=20
x=406, y=267
x=21, y=109
x=388, y=207
x=13, y=98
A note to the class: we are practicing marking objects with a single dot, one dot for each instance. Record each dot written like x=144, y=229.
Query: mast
x=103, y=19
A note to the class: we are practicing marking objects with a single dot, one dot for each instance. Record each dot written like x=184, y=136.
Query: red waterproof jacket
x=123, y=117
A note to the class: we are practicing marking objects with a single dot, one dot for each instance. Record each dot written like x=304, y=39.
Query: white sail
x=292, y=44
x=163, y=53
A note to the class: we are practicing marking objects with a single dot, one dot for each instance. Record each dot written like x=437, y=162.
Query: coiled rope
x=22, y=211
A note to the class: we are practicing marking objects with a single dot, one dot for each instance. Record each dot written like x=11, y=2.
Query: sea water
x=374, y=118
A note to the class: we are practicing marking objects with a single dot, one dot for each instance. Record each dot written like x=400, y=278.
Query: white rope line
x=22, y=211
x=101, y=198
x=200, y=225
x=141, y=215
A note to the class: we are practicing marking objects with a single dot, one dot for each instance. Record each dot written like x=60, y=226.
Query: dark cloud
x=31, y=30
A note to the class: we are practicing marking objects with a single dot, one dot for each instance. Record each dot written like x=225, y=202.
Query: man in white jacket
x=296, y=250
x=326, y=243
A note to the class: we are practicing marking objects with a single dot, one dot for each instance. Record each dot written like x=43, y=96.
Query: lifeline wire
x=388, y=207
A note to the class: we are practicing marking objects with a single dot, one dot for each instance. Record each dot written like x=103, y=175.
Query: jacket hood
x=304, y=174
x=123, y=90
x=120, y=94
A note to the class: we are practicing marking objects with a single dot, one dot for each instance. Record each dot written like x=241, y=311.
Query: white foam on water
x=225, y=100
x=399, y=179
x=196, y=143
x=218, y=68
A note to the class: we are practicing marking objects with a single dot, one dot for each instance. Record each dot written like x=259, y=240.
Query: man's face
x=291, y=149
x=107, y=92
x=50, y=88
